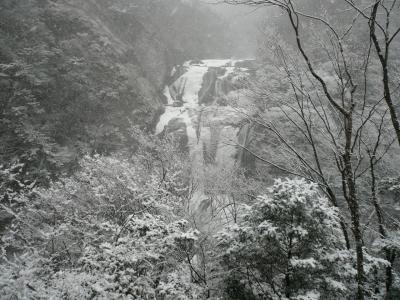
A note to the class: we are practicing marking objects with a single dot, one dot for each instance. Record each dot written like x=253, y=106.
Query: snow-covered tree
x=114, y=230
x=287, y=245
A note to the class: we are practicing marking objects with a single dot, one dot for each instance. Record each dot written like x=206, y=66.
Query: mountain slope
x=76, y=75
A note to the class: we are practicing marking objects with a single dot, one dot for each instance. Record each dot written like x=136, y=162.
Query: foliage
x=74, y=76
x=114, y=229
x=287, y=244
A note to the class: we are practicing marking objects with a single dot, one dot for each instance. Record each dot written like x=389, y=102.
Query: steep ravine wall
x=100, y=63
x=86, y=72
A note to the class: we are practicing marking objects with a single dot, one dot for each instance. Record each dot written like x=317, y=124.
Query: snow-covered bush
x=114, y=230
x=144, y=262
x=287, y=245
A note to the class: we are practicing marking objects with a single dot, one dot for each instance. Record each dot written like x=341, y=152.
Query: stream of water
x=211, y=129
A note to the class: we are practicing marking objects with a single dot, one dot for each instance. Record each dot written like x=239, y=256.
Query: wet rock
x=246, y=159
x=176, y=131
x=195, y=62
x=210, y=90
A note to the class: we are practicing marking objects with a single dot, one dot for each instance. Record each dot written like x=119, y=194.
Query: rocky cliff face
x=202, y=114
x=206, y=117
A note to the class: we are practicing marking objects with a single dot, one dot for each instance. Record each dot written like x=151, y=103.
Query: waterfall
x=211, y=128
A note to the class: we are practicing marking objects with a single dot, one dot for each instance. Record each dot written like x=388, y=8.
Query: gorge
x=203, y=111
x=193, y=150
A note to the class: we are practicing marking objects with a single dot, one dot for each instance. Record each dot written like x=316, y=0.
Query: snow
x=167, y=94
x=304, y=263
x=337, y=285
x=219, y=62
x=311, y=295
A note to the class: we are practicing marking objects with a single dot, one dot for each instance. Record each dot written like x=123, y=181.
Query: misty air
x=200, y=149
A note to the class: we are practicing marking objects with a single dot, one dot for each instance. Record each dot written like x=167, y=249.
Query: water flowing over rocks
x=201, y=111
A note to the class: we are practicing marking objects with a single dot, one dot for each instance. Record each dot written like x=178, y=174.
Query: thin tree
x=343, y=121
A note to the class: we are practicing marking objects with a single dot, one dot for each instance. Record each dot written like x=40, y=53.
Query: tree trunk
x=383, y=58
x=381, y=226
x=353, y=205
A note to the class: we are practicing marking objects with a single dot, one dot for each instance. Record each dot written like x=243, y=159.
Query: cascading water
x=211, y=128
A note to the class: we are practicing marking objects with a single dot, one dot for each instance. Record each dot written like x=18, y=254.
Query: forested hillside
x=76, y=75
x=145, y=154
